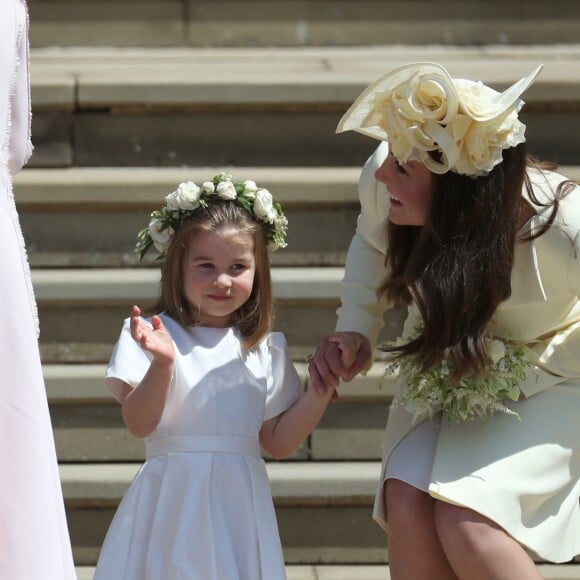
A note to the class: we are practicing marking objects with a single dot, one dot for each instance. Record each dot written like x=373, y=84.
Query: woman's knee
x=405, y=503
x=462, y=527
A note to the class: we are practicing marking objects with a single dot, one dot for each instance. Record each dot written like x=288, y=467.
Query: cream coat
x=477, y=465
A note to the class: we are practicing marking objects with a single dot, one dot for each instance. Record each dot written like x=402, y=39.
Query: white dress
x=200, y=508
x=34, y=540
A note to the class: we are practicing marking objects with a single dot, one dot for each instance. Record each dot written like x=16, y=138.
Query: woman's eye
x=400, y=168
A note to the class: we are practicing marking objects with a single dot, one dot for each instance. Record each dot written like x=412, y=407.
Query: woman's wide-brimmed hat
x=418, y=108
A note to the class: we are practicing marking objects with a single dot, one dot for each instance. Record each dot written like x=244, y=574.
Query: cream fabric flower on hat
x=419, y=108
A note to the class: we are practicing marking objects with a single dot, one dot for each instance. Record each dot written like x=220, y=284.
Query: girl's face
x=410, y=186
x=218, y=274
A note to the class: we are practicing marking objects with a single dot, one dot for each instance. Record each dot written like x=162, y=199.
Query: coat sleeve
x=360, y=309
x=574, y=268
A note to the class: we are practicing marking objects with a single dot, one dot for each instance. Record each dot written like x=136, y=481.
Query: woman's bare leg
x=414, y=548
x=478, y=549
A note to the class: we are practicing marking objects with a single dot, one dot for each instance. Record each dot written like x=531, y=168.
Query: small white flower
x=250, y=189
x=264, y=206
x=280, y=224
x=226, y=190
x=161, y=237
x=496, y=351
x=171, y=202
x=208, y=187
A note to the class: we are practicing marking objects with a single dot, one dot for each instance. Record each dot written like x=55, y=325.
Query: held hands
x=156, y=340
x=340, y=356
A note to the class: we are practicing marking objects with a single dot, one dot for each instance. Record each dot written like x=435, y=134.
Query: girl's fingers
x=347, y=346
x=316, y=380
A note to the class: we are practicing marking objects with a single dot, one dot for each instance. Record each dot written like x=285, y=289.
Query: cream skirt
x=522, y=474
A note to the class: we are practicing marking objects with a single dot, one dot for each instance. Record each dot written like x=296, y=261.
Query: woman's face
x=410, y=186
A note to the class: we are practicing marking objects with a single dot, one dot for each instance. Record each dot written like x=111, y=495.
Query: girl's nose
x=223, y=281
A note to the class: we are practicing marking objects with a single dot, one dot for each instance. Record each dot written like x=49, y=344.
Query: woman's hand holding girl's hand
x=156, y=340
x=340, y=356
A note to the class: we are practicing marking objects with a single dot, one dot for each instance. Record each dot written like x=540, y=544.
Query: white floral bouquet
x=188, y=197
x=480, y=395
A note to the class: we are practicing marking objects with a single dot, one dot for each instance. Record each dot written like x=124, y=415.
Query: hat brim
x=355, y=117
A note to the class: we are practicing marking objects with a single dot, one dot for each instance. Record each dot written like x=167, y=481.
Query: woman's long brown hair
x=457, y=268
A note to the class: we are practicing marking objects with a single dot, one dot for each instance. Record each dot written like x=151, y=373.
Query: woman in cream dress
x=34, y=540
x=466, y=499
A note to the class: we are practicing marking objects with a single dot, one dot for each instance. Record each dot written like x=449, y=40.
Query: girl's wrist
x=164, y=363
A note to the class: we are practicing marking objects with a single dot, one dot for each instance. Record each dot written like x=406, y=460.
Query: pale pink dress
x=34, y=540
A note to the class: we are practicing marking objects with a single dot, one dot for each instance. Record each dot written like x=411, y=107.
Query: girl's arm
x=143, y=406
x=281, y=435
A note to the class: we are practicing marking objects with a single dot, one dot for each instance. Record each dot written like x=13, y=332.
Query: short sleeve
x=283, y=382
x=128, y=364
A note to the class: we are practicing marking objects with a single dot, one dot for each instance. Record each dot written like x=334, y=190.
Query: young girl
x=205, y=382
x=483, y=246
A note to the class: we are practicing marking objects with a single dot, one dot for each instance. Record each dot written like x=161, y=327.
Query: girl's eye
x=238, y=267
x=205, y=266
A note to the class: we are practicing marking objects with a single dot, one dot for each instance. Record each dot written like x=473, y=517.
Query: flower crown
x=189, y=197
x=418, y=108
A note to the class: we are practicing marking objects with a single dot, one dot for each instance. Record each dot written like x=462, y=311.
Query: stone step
x=301, y=22
x=323, y=511
x=200, y=107
x=81, y=310
x=88, y=217
x=88, y=426
x=373, y=572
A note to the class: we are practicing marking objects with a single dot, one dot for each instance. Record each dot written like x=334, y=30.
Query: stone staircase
x=132, y=97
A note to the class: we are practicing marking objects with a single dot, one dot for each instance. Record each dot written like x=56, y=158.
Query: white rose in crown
x=208, y=187
x=226, y=190
x=188, y=194
x=161, y=236
x=250, y=189
x=185, y=198
x=171, y=202
x=264, y=206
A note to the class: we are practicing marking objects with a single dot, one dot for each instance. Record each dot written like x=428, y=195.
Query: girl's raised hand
x=156, y=340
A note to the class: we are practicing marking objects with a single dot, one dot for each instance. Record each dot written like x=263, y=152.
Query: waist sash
x=203, y=444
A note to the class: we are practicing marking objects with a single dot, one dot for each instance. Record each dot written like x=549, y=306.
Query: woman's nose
x=382, y=173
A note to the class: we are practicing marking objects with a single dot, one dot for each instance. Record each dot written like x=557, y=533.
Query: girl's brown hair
x=253, y=319
x=457, y=268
